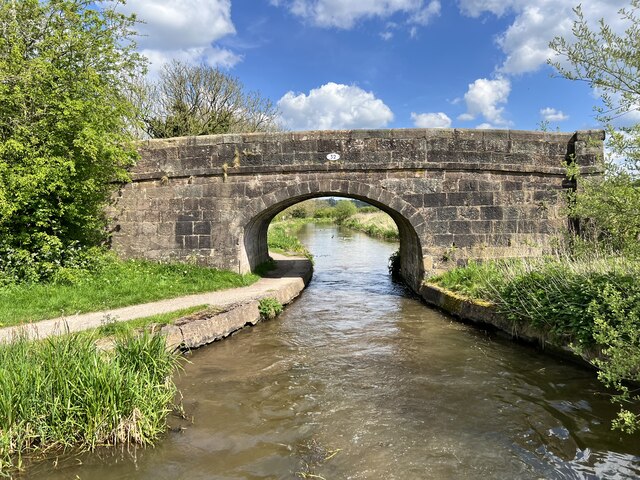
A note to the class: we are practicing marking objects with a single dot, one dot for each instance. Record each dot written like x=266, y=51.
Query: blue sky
x=384, y=63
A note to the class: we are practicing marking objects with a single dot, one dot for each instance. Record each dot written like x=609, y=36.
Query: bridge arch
x=254, y=222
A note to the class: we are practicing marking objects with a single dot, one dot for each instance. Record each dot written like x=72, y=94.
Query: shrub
x=344, y=209
x=269, y=308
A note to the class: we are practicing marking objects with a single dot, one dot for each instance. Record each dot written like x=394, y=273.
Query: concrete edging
x=195, y=331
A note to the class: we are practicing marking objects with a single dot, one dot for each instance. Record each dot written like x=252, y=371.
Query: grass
x=555, y=294
x=591, y=305
x=375, y=224
x=116, y=284
x=63, y=392
x=112, y=328
x=281, y=237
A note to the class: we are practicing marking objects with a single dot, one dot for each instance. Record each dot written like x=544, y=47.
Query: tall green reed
x=64, y=392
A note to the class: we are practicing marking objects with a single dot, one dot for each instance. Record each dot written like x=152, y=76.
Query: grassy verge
x=115, y=284
x=591, y=305
x=63, y=392
x=281, y=237
x=112, y=328
x=375, y=224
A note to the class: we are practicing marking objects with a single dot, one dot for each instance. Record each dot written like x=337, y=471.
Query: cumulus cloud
x=484, y=97
x=431, y=120
x=333, y=106
x=345, y=14
x=525, y=42
x=552, y=115
x=183, y=29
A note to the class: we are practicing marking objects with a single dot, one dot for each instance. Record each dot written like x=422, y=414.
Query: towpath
x=289, y=272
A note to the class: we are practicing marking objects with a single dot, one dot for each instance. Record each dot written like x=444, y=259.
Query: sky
x=347, y=64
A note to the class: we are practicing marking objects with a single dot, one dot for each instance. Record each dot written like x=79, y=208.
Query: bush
x=324, y=212
x=590, y=304
x=52, y=262
x=269, y=308
x=344, y=209
x=64, y=114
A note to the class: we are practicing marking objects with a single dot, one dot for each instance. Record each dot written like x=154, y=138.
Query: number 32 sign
x=333, y=156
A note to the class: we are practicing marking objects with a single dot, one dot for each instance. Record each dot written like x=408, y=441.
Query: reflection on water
x=358, y=380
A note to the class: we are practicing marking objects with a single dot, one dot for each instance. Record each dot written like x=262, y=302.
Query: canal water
x=359, y=380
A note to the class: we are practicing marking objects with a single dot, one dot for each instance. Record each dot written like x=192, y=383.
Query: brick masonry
x=455, y=194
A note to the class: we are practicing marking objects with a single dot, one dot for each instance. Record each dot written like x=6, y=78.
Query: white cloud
x=431, y=120
x=183, y=29
x=424, y=15
x=345, y=14
x=485, y=126
x=475, y=8
x=333, y=106
x=525, y=42
x=484, y=97
x=552, y=115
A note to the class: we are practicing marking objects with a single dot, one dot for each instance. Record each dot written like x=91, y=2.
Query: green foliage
x=368, y=209
x=203, y=100
x=616, y=330
x=373, y=229
x=65, y=67
x=479, y=280
x=591, y=304
x=324, y=212
x=114, y=284
x=394, y=264
x=556, y=298
x=63, y=392
x=343, y=210
x=610, y=63
x=609, y=209
x=269, y=308
x=281, y=238
x=112, y=327
x=298, y=211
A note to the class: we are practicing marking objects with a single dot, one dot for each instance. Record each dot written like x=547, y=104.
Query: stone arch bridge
x=454, y=194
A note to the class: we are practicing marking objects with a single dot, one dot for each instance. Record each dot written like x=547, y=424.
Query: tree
x=65, y=68
x=610, y=63
x=202, y=100
x=344, y=209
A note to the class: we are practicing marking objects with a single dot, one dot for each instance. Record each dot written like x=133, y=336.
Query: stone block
x=435, y=199
x=491, y=213
x=202, y=228
x=183, y=228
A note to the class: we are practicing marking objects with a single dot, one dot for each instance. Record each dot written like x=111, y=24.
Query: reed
x=63, y=392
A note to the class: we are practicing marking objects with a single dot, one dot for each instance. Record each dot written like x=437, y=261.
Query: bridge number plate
x=333, y=156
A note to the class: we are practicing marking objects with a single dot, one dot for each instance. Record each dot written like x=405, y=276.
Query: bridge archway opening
x=254, y=249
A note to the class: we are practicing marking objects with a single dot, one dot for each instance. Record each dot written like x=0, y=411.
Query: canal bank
x=234, y=308
x=484, y=315
x=359, y=379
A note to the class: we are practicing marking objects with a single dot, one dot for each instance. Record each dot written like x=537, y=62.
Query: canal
x=360, y=380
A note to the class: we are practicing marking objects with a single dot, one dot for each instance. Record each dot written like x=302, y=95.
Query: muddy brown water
x=359, y=380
